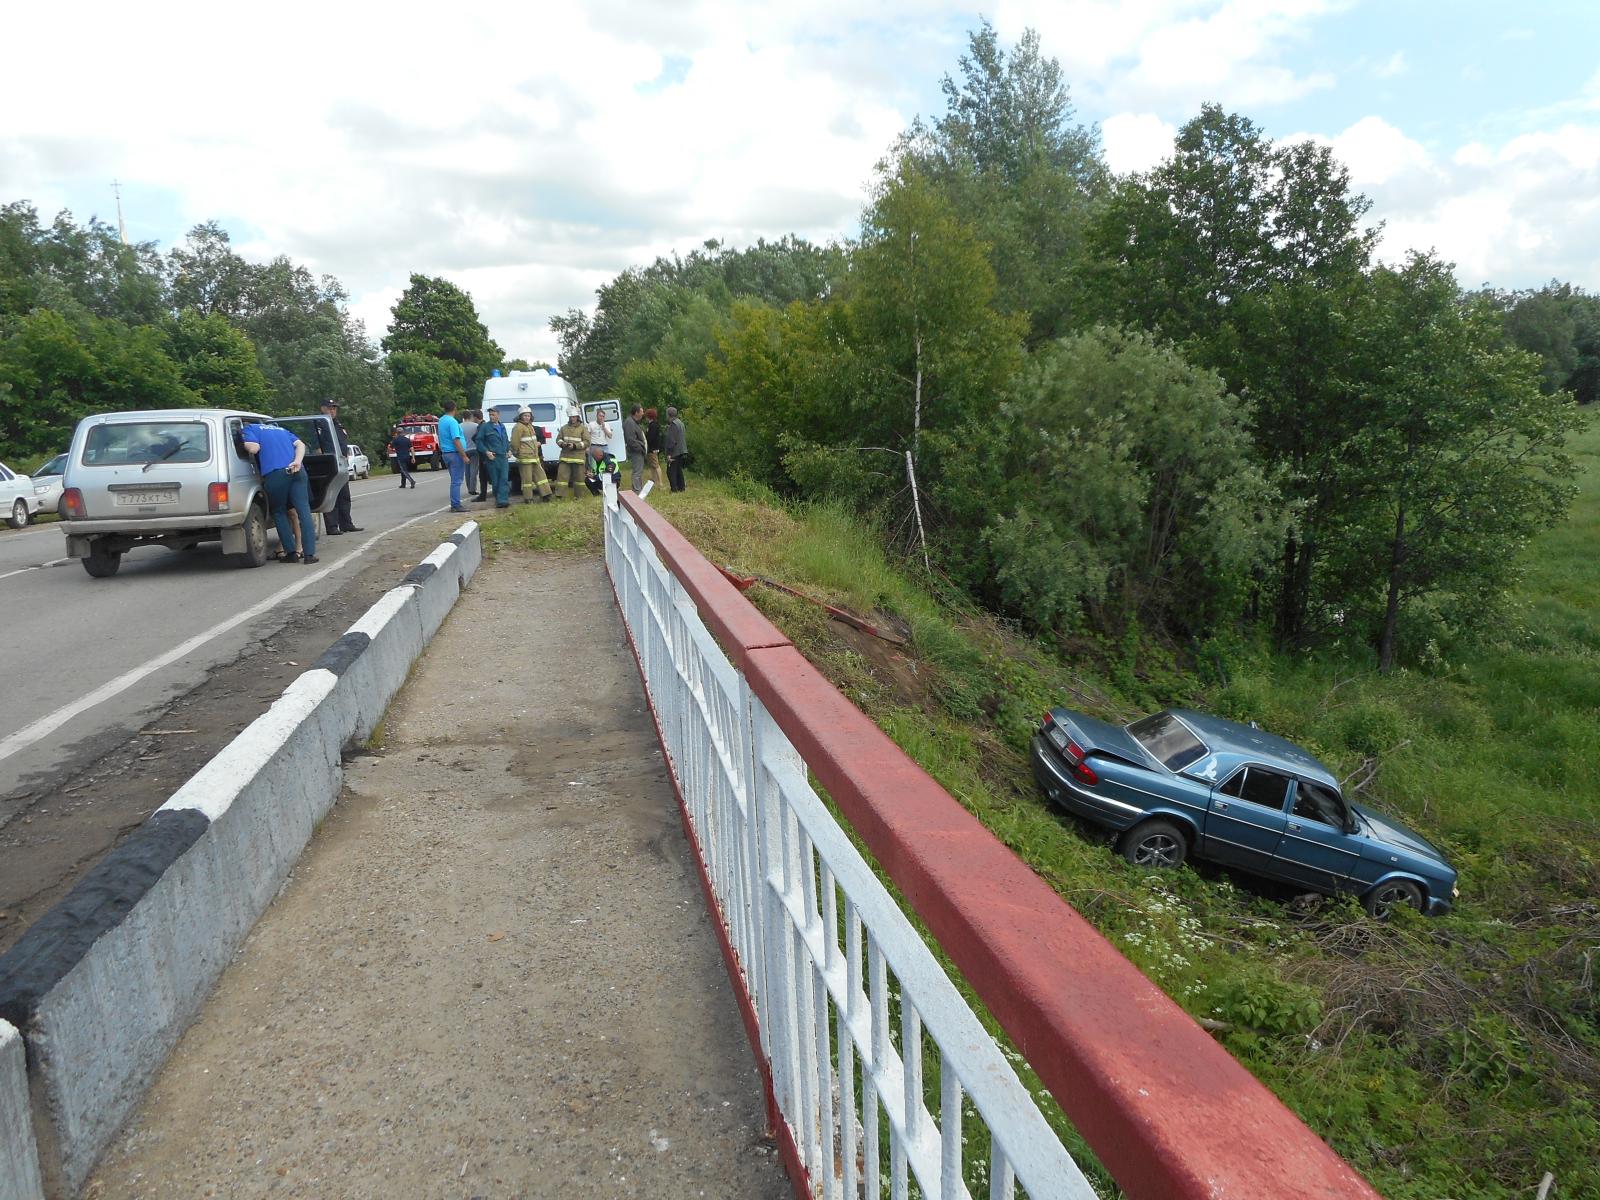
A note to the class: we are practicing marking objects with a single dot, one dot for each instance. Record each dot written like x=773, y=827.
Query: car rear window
x=1168, y=739
x=114, y=444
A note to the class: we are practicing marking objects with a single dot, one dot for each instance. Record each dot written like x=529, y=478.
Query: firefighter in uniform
x=525, y=449
x=573, y=438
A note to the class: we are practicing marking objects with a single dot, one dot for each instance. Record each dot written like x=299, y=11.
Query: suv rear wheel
x=102, y=564
x=255, y=539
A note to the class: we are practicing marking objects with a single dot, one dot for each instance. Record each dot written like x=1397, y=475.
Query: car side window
x=1258, y=786
x=1317, y=803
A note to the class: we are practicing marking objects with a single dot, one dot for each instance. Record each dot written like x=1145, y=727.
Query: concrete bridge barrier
x=101, y=987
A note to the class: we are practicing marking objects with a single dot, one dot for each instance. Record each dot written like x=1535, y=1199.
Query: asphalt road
x=85, y=661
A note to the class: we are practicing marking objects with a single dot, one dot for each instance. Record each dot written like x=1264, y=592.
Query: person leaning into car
x=279, y=455
x=339, y=520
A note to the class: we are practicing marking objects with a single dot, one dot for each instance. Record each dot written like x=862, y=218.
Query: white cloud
x=1514, y=214
x=1136, y=141
x=1174, y=55
x=1393, y=66
x=525, y=152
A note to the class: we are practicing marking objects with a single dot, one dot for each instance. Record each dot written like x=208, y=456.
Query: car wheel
x=255, y=538
x=1386, y=897
x=19, y=514
x=1155, y=844
x=102, y=564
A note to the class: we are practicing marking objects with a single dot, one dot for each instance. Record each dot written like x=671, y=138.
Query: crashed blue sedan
x=1178, y=783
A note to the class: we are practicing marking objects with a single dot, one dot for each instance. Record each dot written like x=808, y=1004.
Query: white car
x=358, y=466
x=18, y=504
x=47, y=483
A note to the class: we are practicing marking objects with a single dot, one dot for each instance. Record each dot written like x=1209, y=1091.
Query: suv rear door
x=137, y=465
x=326, y=469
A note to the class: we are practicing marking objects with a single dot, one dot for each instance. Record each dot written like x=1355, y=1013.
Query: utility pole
x=122, y=230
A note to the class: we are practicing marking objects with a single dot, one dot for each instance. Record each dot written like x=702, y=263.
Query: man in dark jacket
x=401, y=445
x=339, y=519
x=494, y=458
x=675, y=444
x=633, y=438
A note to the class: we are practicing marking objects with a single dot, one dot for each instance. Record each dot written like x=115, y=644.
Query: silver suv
x=178, y=477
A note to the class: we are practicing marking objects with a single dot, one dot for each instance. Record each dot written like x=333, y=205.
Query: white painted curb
x=19, y=1158
x=168, y=910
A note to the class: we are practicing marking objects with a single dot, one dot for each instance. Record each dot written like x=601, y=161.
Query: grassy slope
x=1456, y=1057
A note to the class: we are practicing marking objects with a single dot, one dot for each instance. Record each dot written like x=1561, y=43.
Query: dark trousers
x=472, y=472
x=636, y=472
x=675, y=473
x=286, y=491
x=341, y=511
x=404, y=467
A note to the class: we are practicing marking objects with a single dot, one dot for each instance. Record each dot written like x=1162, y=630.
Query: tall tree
x=436, y=318
x=1459, y=461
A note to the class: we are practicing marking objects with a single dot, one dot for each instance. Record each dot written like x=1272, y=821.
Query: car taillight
x=217, y=497
x=1084, y=772
x=1049, y=720
x=1073, y=751
x=72, y=505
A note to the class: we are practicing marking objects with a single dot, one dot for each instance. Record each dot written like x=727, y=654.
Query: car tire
x=19, y=515
x=255, y=539
x=102, y=564
x=1154, y=844
x=1382, y=900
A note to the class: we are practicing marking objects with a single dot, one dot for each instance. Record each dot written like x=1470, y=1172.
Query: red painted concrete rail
x=1169, y=1112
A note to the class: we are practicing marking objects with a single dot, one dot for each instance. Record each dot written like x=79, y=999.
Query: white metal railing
x=858, y=1021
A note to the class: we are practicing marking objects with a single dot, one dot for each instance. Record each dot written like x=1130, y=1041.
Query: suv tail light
x=217, y=497
x=72, y=506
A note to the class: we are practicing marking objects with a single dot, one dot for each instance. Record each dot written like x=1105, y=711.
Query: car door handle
x=1294, y=827
x=1221, y=806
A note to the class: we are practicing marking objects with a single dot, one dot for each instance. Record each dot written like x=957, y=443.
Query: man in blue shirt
x=453, y=447
x=279, y=455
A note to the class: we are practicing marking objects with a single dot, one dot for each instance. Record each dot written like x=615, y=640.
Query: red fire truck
x=423, y=430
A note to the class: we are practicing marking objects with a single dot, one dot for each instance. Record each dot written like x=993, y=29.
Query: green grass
x=1456, y=1057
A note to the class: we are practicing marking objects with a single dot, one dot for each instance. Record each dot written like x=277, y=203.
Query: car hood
x=1387, y=829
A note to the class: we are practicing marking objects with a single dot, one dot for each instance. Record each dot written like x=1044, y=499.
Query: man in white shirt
x=599, y=431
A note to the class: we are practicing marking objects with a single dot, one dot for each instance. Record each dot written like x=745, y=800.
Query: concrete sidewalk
x=492, y=974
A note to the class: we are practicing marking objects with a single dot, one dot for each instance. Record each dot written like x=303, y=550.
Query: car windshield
x=410, y=430
x=114, y=444
x=1168, y=740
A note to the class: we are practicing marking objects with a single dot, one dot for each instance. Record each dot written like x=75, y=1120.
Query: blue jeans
x=283, y=492
x=458, y=471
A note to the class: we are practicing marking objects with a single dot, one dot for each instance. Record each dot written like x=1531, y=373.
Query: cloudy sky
x=529, y=152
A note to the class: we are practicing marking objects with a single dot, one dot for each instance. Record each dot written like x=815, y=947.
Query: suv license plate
x=135, y=499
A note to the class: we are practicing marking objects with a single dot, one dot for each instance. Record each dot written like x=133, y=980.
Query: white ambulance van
x=544, y=393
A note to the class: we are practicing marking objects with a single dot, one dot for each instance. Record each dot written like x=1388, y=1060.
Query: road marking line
x=19, y=571
x=48, y=724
